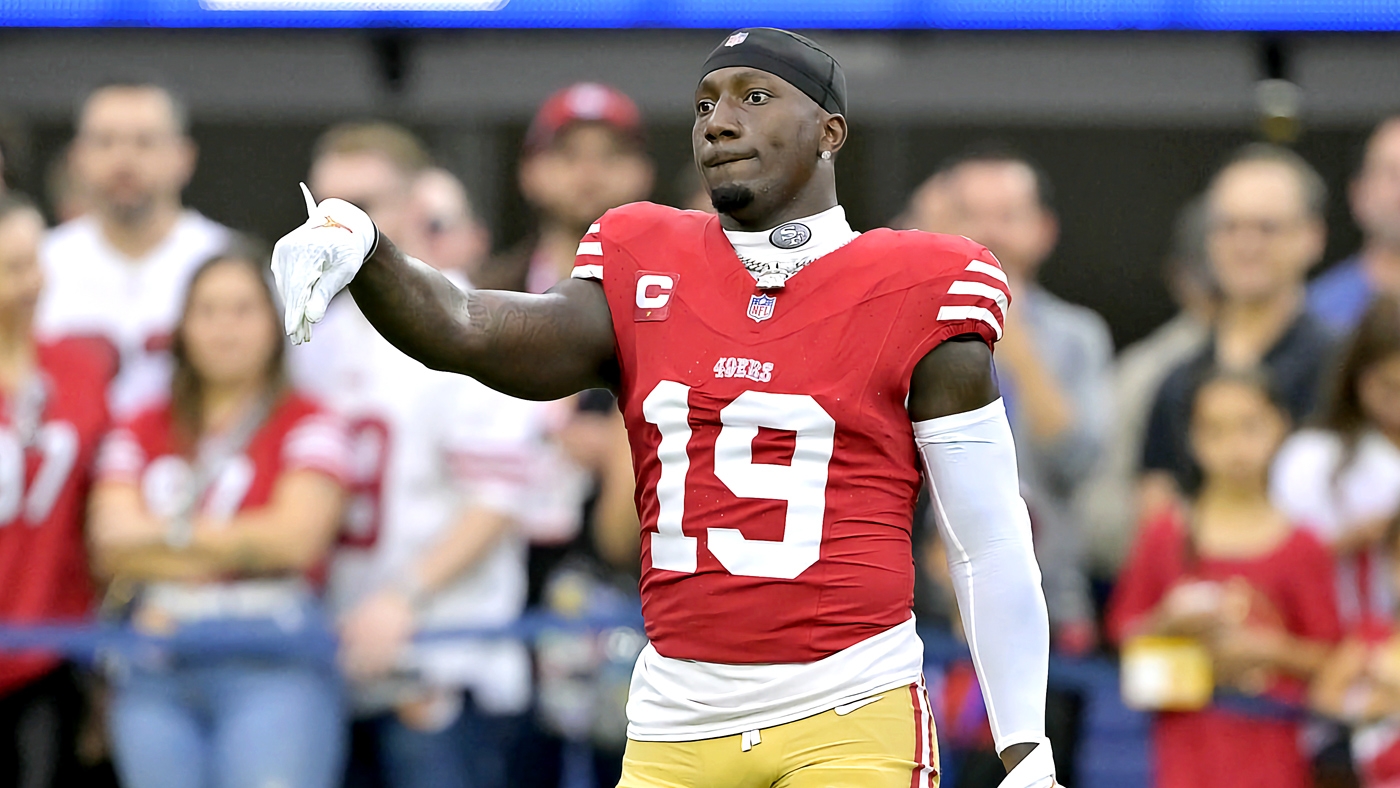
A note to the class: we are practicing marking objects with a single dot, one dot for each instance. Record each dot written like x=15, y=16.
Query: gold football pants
x=888, y=742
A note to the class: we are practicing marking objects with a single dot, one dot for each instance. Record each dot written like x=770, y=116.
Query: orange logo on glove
x=333, y=223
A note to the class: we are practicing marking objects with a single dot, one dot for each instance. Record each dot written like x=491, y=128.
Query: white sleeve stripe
x=978, y=289
x=593, y=228
x=987, y=269
x=596, y=272
x=591, y=248
x=967, y=313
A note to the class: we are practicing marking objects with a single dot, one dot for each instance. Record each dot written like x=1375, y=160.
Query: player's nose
x=723, y=122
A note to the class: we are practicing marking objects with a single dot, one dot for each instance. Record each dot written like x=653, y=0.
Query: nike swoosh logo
x=847, y=708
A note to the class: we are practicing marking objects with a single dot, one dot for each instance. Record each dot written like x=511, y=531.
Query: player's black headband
x=795, y=59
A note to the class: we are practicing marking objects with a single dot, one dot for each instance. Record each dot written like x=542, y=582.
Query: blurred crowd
x=1217, y=505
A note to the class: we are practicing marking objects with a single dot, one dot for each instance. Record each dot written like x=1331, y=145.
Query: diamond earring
x=826, y=155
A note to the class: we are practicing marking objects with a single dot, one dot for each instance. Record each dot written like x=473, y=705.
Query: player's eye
x=757, y=97
x=704, y=106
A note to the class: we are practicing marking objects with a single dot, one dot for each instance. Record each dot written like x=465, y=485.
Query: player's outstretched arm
x=970, y=459
x=531, y=346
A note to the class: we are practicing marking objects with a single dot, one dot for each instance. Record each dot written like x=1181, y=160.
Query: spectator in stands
x=585, y=153
x=442, y=465
x=931, y=207
x=453, y=239
x=221, y=504
x=1053, y=359
x=1342, y=479
x=1234, y=574
x=688, y=192
x=1360, y=685
x=68, y=195
x=1340, y=295
x=54, y=413
x=1264, y=230
x=119, y=271
x=1107, y=504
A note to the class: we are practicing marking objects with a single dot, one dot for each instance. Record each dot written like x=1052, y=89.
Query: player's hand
x=374, y=635
x=316, y=260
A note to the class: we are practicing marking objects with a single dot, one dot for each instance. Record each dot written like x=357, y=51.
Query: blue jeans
x=229, y=723
x=472, y=752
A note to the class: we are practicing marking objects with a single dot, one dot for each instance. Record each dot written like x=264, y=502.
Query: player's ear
x=833, y=133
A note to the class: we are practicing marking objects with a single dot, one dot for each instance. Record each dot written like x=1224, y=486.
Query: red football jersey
x=297, y=435
x=775, y=460
x=44, y=482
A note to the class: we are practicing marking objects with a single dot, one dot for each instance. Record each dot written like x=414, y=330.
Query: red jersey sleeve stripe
x=588, y=262
x=978, y=313
x=988, y=269
x=985, y=284
x=994, y=294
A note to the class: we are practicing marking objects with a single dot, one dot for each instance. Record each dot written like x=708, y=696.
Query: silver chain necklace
x=774, y=275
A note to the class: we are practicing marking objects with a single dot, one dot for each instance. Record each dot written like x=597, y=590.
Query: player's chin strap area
x=1036, y=770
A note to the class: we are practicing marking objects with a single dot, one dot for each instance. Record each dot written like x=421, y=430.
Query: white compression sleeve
x=970, y=460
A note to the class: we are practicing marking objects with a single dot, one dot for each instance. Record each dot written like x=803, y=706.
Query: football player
x=780, y=376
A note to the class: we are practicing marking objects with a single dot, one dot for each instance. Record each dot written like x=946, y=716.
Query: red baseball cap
x=585, y=102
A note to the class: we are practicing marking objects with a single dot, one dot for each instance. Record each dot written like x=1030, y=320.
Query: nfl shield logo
x=761, y=307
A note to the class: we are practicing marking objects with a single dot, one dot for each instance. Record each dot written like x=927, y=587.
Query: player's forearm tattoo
x=532, y=346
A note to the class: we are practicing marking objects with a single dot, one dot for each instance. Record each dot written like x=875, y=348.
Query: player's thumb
x=311, y=210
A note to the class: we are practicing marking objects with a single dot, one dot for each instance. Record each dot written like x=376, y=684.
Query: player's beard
x=731, y=197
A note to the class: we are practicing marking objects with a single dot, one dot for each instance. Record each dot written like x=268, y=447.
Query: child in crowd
x=1234, y=574
x=1342, y=480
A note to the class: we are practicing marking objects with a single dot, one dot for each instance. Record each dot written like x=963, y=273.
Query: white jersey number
x=802, y=484
x=57, y=445
x=369, y=461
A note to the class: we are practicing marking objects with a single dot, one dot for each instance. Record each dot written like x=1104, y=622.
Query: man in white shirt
x=119, y=272
x=441, y=476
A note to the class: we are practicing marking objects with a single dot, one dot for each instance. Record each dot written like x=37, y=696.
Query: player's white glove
x=313, y=262
x=1036, y=770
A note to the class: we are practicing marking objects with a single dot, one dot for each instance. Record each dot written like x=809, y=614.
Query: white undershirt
x=687, y=700
x=829, y=232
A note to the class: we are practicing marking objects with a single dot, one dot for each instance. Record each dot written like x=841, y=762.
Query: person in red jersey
x=1345, y=477
x=780, y=376
x=1237, y=576
x=1360, y=685
x=53, y=412
x=222, y=504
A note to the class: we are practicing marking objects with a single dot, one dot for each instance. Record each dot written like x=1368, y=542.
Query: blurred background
x=1128, y=124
